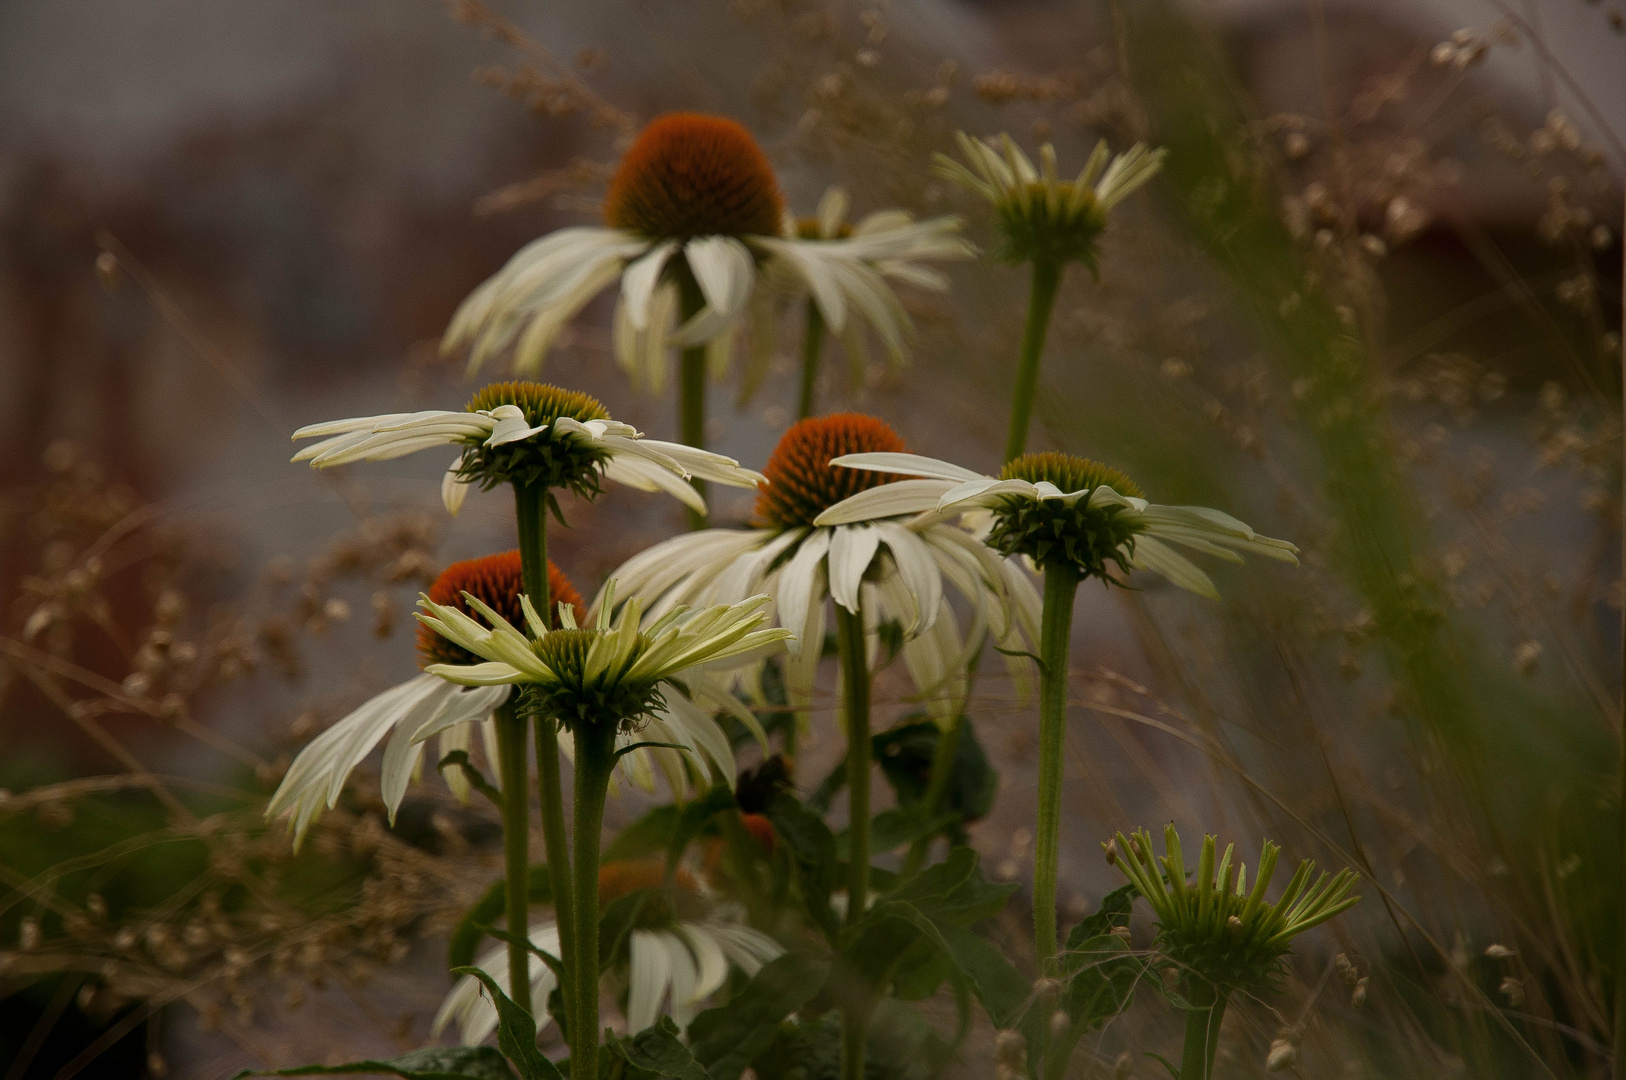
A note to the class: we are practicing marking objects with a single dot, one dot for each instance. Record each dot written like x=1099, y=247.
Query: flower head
x=679, y=951
x=1062, y=512
x=611, y=673
x=526, y=433
x=413, y=712
x=801, y=483
x=689, y=174
x=694, y=204
x=1041, y=217
x=1215, y=927
x=499, y=583
x=890, y=569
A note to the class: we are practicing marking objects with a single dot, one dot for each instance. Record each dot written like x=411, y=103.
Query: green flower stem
x=811, y=346
x=595, y=760
x=1055, y=632
x=692, y=381
x=516, y=847
x=553, y=840
x=531, y=510
x=1202, y=1030
x=855, y=706
x=1041, y=301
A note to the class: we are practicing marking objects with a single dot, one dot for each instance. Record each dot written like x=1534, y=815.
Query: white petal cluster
x=801, y=568
x=945, y=489
x=1001, y=173
x=547, y=282
x=622, y=651
x=425, y=703
x=672, y=971
x=631, y=459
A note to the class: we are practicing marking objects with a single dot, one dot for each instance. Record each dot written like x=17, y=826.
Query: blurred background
x=1372, y=305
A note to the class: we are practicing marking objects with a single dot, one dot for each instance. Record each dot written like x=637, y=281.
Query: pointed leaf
x=659, y=1052
x=430, y=1063
x=516, y=1032
x=728, y=1038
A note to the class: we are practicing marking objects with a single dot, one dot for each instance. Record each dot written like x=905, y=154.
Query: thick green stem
x=811, y=346
x=855, y=707
x=516, y=847
x=1055, y=632
x=554, y=840
x=595, y=760
x=692, y=381
x=1042, y=299
x=531, y=514
x=1202, y=1030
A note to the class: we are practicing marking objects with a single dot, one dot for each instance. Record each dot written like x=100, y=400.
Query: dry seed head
x=690, y=174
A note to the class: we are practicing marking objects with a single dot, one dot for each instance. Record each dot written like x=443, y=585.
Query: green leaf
x=659, y=1052
x=895, y=827
x=1101, y=976
x=1001, y=989
x=649, y=835
x=466, y=938
x=516, y=1032
x=430, y=1063
x=729, y=1038
x=954, y=890
x=1115, y=908
x=694, y=817
x=813, y=851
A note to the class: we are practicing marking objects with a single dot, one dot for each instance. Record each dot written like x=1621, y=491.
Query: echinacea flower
x=527, y=433
x=691, y=219
x=1213, y=926
x=1040, y=216
x=890, y=243
x=426, y=701
x=681, y=947
x=1066, y=512
x=892, y=569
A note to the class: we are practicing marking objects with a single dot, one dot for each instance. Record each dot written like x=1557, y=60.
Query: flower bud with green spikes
x=1221, y=935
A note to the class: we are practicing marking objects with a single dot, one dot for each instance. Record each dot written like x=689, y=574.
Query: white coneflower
x=1071, y=517
x=891, y=568
x=598, y=684
x=1049, y=222
x=679, y=952
x=888, y=242
x=1040, y=216
x=693, y=217
x=1058, y=509
x=528, y=434
x=425, y=703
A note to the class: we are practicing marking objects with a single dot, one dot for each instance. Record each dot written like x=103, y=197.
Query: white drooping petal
x=1152, y=554
x=639, y=280
x=796, y=586
x=917, y=568
x=886, y=500
x=649, y=977
x=453, y=490
x=852, y=547
x=724, y=270
x=474, y=1013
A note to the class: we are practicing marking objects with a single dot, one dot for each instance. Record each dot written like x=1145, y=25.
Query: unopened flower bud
x=1500, y=952
x=1234, y=924
x=1514, y=989
x=1011, y=1050
x=1059, y=1023
x=1357, y=997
